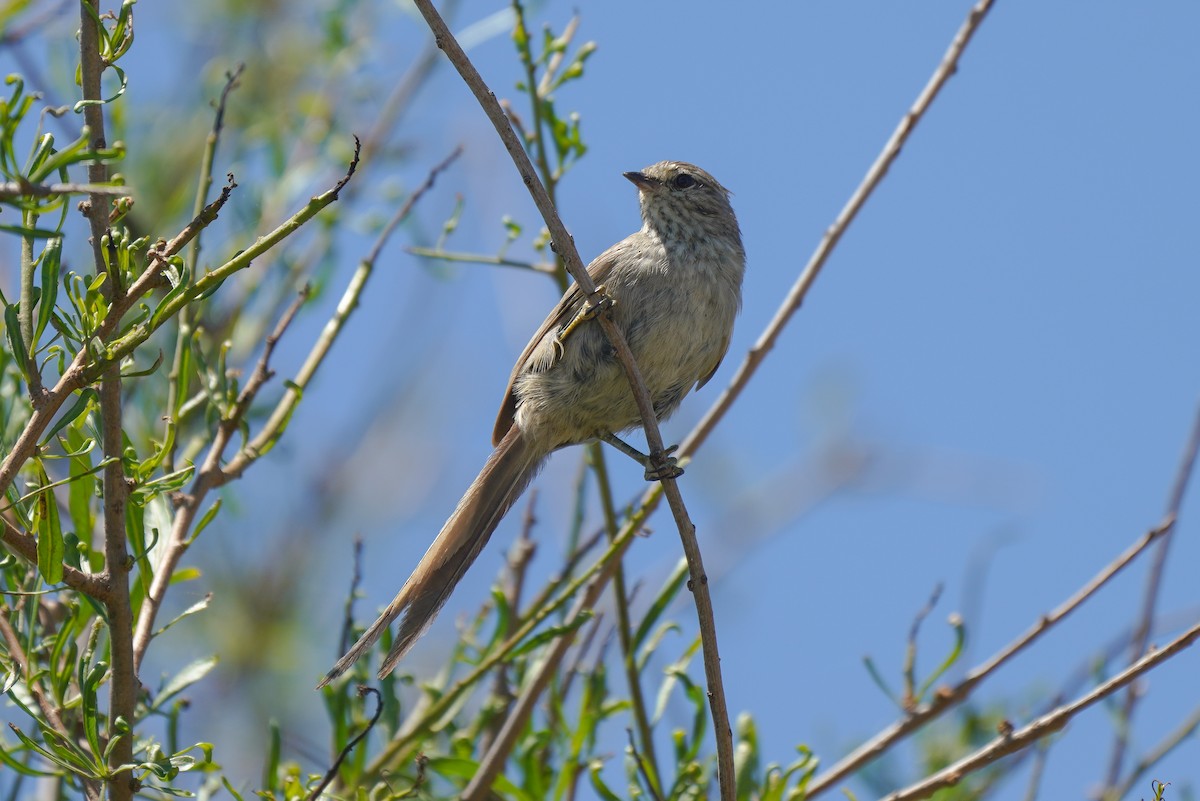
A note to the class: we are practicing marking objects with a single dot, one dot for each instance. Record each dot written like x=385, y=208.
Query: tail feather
x=504, y=477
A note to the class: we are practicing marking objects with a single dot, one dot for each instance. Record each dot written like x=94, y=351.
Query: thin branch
x=945, y=698
x=874, y=176
x=483, y=258
x=273, y=428
x=182, y=335
x=75, y=377
x=208, y=477
x=355, y=580
x=17, y=189
x=641, y=766
x=25, y=546
x=564, y=246
x=1145, y=619
x=909, y=698
x=331, y=774
x=625, y=630
x=1045, y=725
x=1152, y=757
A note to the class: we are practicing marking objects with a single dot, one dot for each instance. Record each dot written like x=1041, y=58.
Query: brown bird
x=675, y=287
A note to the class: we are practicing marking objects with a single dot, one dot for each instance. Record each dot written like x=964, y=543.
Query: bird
x=673, y=289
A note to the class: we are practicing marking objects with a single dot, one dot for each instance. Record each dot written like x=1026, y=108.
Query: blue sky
x=1007, y=337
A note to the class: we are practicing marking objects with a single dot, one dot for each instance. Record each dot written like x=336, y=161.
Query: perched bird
x=675, y=289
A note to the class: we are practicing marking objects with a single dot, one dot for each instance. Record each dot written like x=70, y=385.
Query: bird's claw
x=589, y=311
x=669, y=468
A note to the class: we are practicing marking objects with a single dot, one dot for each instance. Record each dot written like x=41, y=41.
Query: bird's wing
x=704, y=378
x=563, y=312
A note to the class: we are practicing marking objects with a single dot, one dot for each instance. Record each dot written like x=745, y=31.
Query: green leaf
x=50, y=546
x=185, y=678
x=229, y=788
x=36, y=233
x=271, y=767
x=51, y=262
x=195, y=608
x=551, y=633
x=671, y=588
x=91, y=706
x=960, y=641
x=206, y=519
x=12, y=327
x=86, y=397
x=602, y=789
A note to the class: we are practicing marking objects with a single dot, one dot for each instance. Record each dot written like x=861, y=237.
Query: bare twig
x=273, y=428
x=1165, y=746
x=952, y=696
x=203, y=185
x=209, y=476
x=355, y=580
x=483, y=258
x=331, y=774
x=875, y=175
x=909, y=698
x=641, y=765
x=1145, y=619
x=15, y=189
x=1045, y=725
x=565, y=247
x=948, y=697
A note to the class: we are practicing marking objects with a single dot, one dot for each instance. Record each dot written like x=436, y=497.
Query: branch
x=565, y=247
x=1047, y=724
x=208, y=477
x=75, y=377
x=117, y=564
x=1145, y=620
x=184, y=323
x=331, y=774
x=25, y=546
x=948, y=697
x=16, y=189
x=1165, y=746
x=791, y=304
x=273, y=428
x=945, y=698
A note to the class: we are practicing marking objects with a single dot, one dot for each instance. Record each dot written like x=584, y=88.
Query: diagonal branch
x=208, y=477
x=75, y=377
x=1145, y=620
x=1045, y=725
x=948, y=697
x=875, y=175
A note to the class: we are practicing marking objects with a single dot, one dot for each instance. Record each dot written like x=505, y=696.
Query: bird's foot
x=589, y=311
x=657, y=469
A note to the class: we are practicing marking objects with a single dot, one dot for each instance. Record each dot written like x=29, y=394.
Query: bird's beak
x=642, y=180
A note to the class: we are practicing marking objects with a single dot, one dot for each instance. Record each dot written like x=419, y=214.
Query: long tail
x=504, y=477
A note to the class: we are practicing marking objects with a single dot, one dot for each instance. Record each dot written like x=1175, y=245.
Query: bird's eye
x=683, y=181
